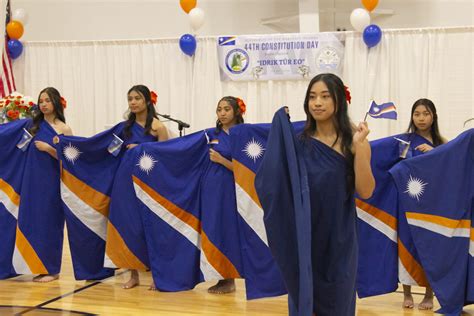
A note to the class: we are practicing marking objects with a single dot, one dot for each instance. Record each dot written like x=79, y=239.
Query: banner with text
x=280, y=56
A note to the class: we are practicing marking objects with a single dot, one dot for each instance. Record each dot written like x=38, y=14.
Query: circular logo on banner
x=328, y=58
x=237, y=61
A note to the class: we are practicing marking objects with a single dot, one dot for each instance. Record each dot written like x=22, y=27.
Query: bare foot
x=223, y=287
x=44, y=278
x=134, y=281
x=152, y=287
x=408, y=301
x=426, y=303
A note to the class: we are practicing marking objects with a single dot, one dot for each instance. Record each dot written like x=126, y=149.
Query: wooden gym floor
x=20, y=296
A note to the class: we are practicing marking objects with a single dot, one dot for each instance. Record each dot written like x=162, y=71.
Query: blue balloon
x=372, y=35
x=187, y=43
x=15, y=48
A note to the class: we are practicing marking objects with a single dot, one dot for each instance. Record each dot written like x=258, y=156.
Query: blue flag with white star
x=25, y=140
x=386, y=252
x=12, y=162
x=384, y=110
x=226, y=40
x=438, y=206
x=115, y=145
x=88, y=171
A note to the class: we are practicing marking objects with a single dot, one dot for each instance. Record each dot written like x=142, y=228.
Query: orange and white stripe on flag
x=248, y=204
x=214, y=265
x=90, y=206
x=444, y=226
x=9, y=198
x=378, y=219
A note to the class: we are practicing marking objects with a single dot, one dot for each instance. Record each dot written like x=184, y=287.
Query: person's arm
x=159, y=130
x=424, y=148
x=364, y=179
x=67, y=131
x=218, y=158
x=43, y=146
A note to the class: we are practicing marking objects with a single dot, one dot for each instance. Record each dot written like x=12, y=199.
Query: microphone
x=185, y=125
x=181, y=124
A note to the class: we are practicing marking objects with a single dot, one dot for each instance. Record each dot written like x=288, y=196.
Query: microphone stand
x=181, y=124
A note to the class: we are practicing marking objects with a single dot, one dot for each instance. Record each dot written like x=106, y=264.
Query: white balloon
x=20, y=15
x=196, y=18
x=360, y=19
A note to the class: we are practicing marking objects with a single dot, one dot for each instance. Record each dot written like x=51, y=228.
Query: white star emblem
x=415, y=187
x=71, y=153
x=376, y=109
x=146, y=163
x=254, y=150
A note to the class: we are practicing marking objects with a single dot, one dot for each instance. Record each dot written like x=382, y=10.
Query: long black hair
x=151, y=112
x=341, y=120
x=434, y=130
x=233, y=102
x=38, y=116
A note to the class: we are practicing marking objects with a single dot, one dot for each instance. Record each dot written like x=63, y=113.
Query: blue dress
x=125, y=217
x=219, y=209
x=39, y=238
x=333, y=231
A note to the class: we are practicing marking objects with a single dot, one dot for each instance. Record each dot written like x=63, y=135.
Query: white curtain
x=95, y=76
x=437, y=64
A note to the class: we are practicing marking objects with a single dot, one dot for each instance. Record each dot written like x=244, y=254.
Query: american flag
x=7, y=80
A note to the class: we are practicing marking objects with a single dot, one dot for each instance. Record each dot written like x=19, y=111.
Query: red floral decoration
x=63, y=102
x=153, y=97
x=14, y=107
x=348, y=94
x=242, y=106
x=13, y=114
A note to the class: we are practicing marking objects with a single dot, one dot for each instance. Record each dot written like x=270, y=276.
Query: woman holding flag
x=218, y=194
x=337, y=156
x=424, y=133
x=39, y=237
x=97, y=192
x=424, y=122
x=310, y=214
x=380, y=272
x=142, y=125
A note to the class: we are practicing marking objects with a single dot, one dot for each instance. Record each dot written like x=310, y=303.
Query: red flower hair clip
x=242, y=106
x=63, y=102
x=153, y=97
x=348, y=94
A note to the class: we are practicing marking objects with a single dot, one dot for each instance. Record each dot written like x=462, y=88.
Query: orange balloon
x=14, y=29
x=370, y=4
x=188, y=5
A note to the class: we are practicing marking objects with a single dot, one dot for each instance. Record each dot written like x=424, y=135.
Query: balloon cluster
x=360, y=20
x=187, y=42
x=15, y=31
